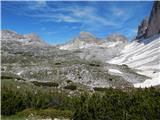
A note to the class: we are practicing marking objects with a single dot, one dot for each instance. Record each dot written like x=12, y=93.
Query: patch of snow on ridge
x=114, y=71
x=150, y=82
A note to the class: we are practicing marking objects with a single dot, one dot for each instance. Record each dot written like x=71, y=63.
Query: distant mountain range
x=86, y=40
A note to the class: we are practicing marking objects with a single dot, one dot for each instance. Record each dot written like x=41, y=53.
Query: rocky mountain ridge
x=150, y=26
x=86, y=40
x=89, y=67
x=84, y=67
x=32, y=38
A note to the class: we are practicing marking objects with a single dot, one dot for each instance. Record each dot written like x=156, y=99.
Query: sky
x=61, y=21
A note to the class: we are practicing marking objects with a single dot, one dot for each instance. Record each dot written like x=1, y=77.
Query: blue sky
x=59, y=22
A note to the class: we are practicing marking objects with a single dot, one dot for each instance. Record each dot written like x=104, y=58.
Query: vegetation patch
x=57, y=63
x=11, y=77
x=69, y=81
x=48, y=84
x=112, y=104
x=71, y=87
x=95, y=65
x=100, y=89
x=7, y=77
x=125, y=66
x=47, y=113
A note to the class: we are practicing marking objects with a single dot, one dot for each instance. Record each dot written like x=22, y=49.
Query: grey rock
x=150, y=27
x=115, y=37
x=154, y=20
x=142, y=28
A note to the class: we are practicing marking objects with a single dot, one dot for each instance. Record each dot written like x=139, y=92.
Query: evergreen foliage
x=111, y=104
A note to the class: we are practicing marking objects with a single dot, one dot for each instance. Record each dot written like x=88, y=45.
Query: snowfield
x=150, y=82
x=143, y=57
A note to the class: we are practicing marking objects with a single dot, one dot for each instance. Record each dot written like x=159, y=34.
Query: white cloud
x=118, y=12
x=41, y=3
x=36, y=5
x=66, y=18
x=87, y=16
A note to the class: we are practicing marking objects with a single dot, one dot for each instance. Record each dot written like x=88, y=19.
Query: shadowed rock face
x=154, y=20
x=142, y=28
x=150, y=27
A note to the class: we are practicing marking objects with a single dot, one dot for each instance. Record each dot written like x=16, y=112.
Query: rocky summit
x=150, y=27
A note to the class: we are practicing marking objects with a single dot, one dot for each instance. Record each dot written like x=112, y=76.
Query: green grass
x=34, y=114
x=71, y=87
x=48, y=84
x=16, y=117
x=47, y=113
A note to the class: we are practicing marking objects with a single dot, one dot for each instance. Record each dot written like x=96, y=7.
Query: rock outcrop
x=86, y=37
x=117, y=38
x=9, y=36
x=33, y=37
x=150, y=27
x=154, y=20
x=142, y=28
x=84, y=40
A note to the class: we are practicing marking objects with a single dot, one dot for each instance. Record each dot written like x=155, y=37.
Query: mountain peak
x=115, y=37
x=86, y=34
x=86, y=37
x=150, y=27
x=11, y=36
x=33, y=36
x=6, y=34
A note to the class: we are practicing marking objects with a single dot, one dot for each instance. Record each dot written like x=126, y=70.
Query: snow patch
x=149, y=82
x=114, y=71
x=19, y=73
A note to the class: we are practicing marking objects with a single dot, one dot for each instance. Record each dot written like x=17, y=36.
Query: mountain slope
x=87, y=40
x=143, y=57
x=41, y=62
x=84, y=40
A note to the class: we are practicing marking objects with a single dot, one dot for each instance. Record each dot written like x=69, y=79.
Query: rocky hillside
x=27, y=39
x=85, y=68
